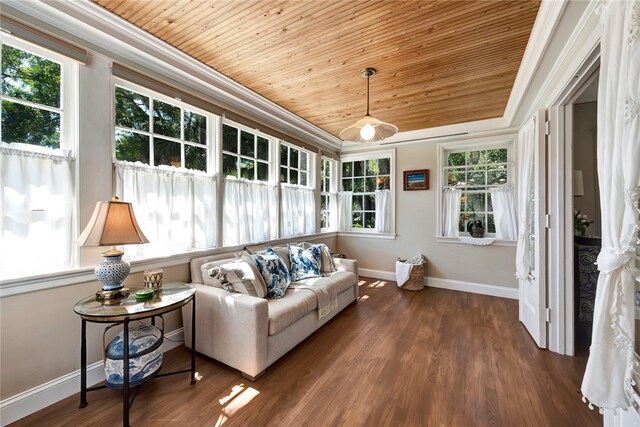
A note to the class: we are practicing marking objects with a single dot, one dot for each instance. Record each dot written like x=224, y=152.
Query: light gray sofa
x=250, y=333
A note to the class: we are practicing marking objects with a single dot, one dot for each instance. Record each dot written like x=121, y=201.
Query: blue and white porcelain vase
x=113, y=270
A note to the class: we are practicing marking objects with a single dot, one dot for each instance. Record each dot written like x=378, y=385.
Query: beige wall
x=416, y=231
x=40, y=333
x=585, y=118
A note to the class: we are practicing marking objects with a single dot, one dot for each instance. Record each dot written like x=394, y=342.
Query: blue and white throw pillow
x=274, y=272
x=305, y=263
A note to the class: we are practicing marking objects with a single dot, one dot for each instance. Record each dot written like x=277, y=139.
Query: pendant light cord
x=368, y=93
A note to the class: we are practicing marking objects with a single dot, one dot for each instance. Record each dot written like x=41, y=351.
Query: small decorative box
x=145, y=356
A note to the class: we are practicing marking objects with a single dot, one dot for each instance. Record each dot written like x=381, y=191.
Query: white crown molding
x=546, y=22
x=26, y=403
x=121, y=40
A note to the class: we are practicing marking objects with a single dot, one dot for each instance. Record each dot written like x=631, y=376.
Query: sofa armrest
x=230, y=327
x=344, y=264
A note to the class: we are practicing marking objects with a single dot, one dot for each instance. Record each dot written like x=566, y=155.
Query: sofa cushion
x=286, y=311
x=274, y=271
x=327, y=265
x=305, y=263
x=240, y=275
x=204, y=270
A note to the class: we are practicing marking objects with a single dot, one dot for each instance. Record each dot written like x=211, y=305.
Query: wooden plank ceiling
x=439, y=62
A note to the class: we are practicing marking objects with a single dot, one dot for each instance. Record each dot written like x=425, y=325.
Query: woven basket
x=416, y=277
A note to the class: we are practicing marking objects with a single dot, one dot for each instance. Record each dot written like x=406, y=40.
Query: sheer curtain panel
x=175, y=208
x=526, y=152
x=36, y=210
x=504, y=212
x=383, y=211
x=451, y=212
x=608, y=379
x=298, y=210
x=250, y=212
x=344, y=210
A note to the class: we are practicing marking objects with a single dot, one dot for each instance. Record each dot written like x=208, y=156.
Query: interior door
x=533, y=305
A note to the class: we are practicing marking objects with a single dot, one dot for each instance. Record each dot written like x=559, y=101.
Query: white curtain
x=36, y=210
x=344, y=210
x=451, y=212
x=504, y=212
x=610, y=367
x=298, y=210
x=383, y=211
x=250, y=212
x=175, y=208
x=526, y=151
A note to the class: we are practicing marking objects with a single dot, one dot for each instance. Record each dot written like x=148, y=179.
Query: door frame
x=560, y=207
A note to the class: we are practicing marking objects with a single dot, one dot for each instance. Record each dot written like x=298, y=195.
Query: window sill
x=367, y=234
x=455, y=240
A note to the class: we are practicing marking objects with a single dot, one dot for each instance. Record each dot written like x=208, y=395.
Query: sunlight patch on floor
x=377, y=284
x=237, y=399
x=363, y=298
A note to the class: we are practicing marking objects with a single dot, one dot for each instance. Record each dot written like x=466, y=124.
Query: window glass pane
x=293, y=176
x=497, y=176
x=475, y=202
x=357, y=219
x=195, y=158
x=384, y=167
x=132, y=109
x=303, y=161
x=263, y=171
x=475, y=157
x=284, y=174
x=229, y=139
x=132, y=147
x=324, y=220
x=357, y=203
x=293, y=158
x=29, y=125
x=30, y=77
x=347, y=184
x=489, y=203
x=195, y=127
x=369, y=220
x=229, y=165
x=247, y=168
x=370, y=184
x=327, y=185
x=476, y=177
x=358, y=168
x=358, y=185
x=247, y=144
x=491, y=225
x=166, y=119
x=498, y=155
x=384, y=183
x=369, y=202
x=323, y=203
x=462, y=224
x=347, y=169
x=455, y=159
x=166, y=153
x=455, y=177
x=303, y=178
x=372, y=167
x=284, y=155
x=263, y=148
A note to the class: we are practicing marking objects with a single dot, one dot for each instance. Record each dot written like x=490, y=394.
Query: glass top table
x=167, y=298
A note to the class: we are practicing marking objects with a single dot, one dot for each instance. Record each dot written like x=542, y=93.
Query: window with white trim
x=363, y=178
x=158, y=132
x=294, y=165
x=327, y=191
x=37, y=161
x=245, y=154
x=475, y=170
x=163, y=150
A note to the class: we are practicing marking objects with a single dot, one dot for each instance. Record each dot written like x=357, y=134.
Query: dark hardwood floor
x=396, y=358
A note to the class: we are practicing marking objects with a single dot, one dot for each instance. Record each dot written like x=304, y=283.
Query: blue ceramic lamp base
x=112, y=272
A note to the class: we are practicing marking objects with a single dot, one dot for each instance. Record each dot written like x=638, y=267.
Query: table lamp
x=112, y=223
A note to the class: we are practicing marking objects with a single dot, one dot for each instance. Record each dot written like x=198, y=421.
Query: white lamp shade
x=382, y=130
x=578, y=184
x=112, y=223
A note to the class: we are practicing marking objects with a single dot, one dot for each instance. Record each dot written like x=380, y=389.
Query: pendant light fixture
x=368, y=128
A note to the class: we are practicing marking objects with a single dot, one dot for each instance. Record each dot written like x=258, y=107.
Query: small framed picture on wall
x=416, y=180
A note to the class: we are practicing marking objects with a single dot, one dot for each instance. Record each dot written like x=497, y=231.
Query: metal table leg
x=83, y=365
x=193, y=340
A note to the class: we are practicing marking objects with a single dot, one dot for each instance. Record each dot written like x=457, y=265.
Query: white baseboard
x=456, y=285
x=26, y=403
